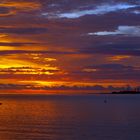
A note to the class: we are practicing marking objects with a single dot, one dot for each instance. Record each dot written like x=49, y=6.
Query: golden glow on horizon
x=72, y=83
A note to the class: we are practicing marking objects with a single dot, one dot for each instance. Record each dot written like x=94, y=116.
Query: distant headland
x=135, y=91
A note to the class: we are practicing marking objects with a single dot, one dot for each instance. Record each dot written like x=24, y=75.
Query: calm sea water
x=84, y=117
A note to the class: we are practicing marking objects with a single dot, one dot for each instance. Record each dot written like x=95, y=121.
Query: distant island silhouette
x=136, y=91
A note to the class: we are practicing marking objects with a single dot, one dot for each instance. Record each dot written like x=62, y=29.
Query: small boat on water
x=105, y=101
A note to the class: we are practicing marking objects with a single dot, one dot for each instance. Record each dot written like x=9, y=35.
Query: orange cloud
x=21, y=6
x=13, y=7
x=119, y=57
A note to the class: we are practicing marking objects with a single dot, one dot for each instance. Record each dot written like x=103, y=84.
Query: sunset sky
x=65, y=44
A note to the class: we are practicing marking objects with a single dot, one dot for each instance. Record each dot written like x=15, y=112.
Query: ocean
x=70, y=117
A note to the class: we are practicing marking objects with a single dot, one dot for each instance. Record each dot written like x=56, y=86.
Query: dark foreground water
x=37, y=117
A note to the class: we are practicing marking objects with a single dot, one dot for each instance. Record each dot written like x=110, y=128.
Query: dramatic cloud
x=98, y=10
x=29, y=70
x=133, y=31
x=69, y=44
